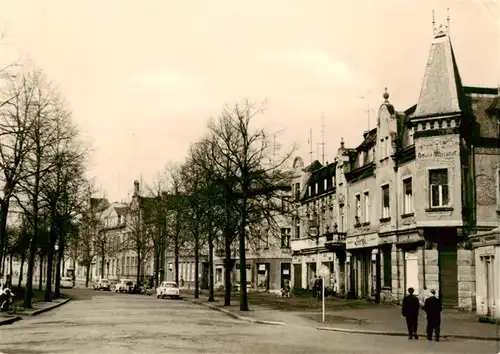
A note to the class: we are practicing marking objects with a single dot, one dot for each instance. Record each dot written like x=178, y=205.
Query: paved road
x=120, y=323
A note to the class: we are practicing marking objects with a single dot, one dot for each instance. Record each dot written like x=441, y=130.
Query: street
x=103, y=322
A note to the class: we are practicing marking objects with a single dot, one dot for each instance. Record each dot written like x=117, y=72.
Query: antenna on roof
x=448, y=20
x=433, y=23
x=323, y=138
x=310, y=141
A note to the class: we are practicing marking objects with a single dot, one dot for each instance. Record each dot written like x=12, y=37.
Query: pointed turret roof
x=442, y=91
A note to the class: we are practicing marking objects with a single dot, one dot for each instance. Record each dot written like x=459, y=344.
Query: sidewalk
x=38, y=308
x=367, y=318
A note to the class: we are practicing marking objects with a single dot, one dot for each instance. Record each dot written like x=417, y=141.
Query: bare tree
x=18, y=102
x=249, y=158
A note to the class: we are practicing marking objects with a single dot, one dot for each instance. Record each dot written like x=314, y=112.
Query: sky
x=142, y=78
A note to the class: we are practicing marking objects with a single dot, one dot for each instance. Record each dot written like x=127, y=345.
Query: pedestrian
x=315, y=287
x=182, y=281
x=433, y=308
x=409, y=310
x=319, y=289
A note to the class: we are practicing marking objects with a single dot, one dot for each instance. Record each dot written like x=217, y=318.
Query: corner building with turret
x=404, y=208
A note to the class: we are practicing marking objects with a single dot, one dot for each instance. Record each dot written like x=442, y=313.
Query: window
x=438, y=181
x=411, y=141
x=367, y=206
x=386, y=259
x=285, y=238
x=385, y=202
x=382, y=148
x=316, y=188
x=408, y=196
x=265, y=243
x=341, y=218
x=498, y=188
x=297, y=227
x=297, y=191
x=333, y=181
x=325, y=184
x=310, y=190
x=357, y=202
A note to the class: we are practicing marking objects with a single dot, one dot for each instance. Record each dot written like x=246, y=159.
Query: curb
x=10, y=320
x=235, y=316
x=401, y=334
x=45, y=309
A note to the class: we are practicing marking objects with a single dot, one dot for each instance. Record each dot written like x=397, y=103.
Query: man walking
x=409, y=310
x=433, y=308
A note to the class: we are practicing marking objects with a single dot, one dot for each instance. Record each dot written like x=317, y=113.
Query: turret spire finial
x=433, y=23
x=448, y=20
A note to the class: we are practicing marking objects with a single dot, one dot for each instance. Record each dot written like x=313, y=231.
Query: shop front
x=362, y=265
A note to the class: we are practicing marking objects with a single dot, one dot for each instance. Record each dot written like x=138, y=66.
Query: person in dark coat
x=315, y=287
x=409, y=310
x=433, y=308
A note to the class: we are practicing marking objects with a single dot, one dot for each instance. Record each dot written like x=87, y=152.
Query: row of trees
x=42, y=169
x=228, y=190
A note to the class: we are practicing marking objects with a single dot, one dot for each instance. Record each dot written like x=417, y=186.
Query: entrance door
x=411, y=267
x=297, y=276
x=448, y=278
x=285, y=273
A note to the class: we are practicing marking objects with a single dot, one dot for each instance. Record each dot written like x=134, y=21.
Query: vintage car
x=102, y=284
x=66, y=283
x=124, y=286
x=168, y=289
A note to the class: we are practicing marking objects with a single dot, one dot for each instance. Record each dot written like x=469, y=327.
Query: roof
x=370, y=138
x=313, y=166
x=121, y=210
x=441, y=92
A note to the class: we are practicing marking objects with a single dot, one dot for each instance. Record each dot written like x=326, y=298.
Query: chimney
x=136, y=188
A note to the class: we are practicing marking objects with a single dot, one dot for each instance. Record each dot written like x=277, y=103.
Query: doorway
x=285, y=273
x=297, y=276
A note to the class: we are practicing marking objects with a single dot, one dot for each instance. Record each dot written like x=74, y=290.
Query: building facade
x=410, y=198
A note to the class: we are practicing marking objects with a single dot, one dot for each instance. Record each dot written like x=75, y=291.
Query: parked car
x=168, y=289
x=102, y=284
x=124, y=286
x=66, y=282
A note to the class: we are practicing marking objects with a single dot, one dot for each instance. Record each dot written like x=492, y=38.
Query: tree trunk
x=28, y=292
x=21, y=271
x=40, y=271
x=57, y=285
x=176, y=260
x=227, y=269
x=210, y=264
x=162, y=264
x=87, y=274
x=2, y=268
x=103, y=265
x=138, y=278
x=243, y=265
x=50, y=266
x=10, y=268
x=156, y=267
x=4, y=212
x=196, y=263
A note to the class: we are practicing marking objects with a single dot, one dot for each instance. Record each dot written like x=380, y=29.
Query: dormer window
x=316, y=188
x=411, y=141
x=325, y=184
x=310, y=190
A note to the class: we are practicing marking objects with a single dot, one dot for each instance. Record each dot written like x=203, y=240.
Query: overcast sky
x=143, y=77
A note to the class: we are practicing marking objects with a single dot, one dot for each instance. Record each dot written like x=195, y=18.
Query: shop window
x=386, y=258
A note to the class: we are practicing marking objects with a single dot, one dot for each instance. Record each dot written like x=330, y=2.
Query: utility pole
x=323, y=138
x=310, y=145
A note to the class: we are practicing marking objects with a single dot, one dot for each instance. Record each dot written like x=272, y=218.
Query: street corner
x=235, y=315
x=9, y=320
x=47, y=306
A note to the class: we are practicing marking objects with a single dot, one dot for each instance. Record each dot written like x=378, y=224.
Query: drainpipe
x=397, y=229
